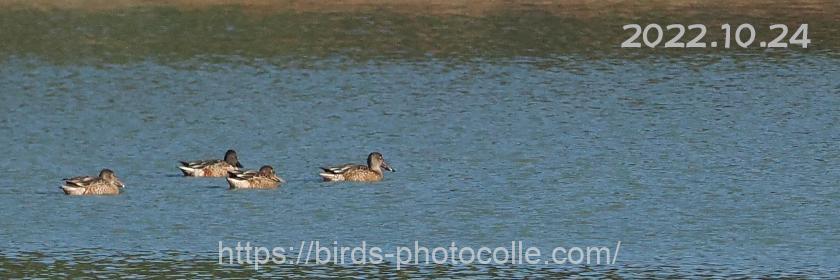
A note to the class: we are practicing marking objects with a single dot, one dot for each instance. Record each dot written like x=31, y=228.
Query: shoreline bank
x=577, y=8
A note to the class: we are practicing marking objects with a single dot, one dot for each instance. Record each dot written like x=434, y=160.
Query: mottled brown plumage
x=262, y=179
x=358, y=173
x=106, y=184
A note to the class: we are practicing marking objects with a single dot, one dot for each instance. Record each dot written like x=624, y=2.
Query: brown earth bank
x=577, y=8
x=130, y=30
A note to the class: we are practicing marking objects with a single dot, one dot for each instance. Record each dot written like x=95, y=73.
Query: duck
x=372, y=172
x=211, y=168
x=106, y=183
x=265, y=178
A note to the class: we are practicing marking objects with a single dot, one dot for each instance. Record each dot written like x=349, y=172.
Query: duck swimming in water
x=371, y=172
x=262, y=179
x=106, y=183
x=211, y=168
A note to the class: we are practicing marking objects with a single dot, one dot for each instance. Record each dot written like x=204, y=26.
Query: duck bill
x=278, y=179
x=385, y=166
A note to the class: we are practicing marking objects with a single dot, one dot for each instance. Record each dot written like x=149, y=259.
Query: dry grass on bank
x=576, y=8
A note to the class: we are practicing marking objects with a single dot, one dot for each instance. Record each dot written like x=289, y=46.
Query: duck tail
x=186, y=170
x=328, y=177
x=69, y=190
x=236, y=183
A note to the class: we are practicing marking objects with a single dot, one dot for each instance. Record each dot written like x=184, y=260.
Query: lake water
x=702, y=165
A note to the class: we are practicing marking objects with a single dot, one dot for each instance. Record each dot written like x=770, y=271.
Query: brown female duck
x=106, y=184
x=358, y=173
x=262, y=179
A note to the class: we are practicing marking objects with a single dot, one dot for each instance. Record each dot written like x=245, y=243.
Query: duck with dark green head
x=213, y=167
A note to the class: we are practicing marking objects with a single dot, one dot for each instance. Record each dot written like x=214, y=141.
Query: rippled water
x=702, y=165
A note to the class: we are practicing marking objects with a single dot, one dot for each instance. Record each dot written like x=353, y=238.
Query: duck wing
x=199, y=164
x=80, y=181
x=339, y=169
x=242, y=174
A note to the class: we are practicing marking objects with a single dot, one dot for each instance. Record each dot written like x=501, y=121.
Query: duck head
x=376, y=161
x=232, y=159
x=268, y=172
x=109, y=176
